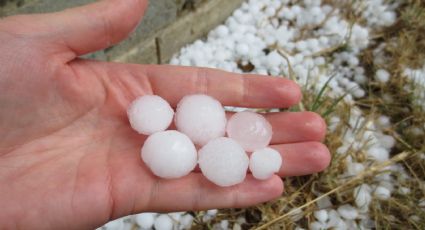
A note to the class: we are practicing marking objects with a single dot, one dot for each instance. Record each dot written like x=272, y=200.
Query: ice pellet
x=249, y=129
x=223, y=161
x=149, y=114
x=169, y=154
x=264, y=163
x=201, y=118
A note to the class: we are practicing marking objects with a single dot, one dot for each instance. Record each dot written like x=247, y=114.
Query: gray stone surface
x=166, y=26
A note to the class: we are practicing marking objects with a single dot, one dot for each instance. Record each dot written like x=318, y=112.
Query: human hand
x=68, y=157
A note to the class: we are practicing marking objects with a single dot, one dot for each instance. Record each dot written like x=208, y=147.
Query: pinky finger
x=195, y=192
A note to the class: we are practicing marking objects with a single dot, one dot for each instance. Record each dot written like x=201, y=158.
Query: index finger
x=231, y=89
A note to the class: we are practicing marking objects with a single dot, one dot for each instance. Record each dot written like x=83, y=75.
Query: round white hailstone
x=200, y=117
x=348, y=212
x=384, y=121
x=212, y=212
x=264, y=163
x=249, y=129
x=382, y=193
x=362, y=196
x=150, y=114
x=359, y=93
x=242, y=49
x=117, y=224
x=169, y=154
x=382, y=76
x=186, y=221
x=145, y=220
x=176, y=216
x=317, y=225
x=222, y=31
x=378, y=153
x=360, y=79
x=321, y=215
x=224, y=224
x=163, y=222
x=387, y=141
x=223, y=161
x=355, y=168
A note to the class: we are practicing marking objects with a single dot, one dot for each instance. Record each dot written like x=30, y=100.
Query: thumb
x=96, y=26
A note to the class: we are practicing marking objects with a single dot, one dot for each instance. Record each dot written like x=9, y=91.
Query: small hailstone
x=169, y=154
x=378, y=153
x=242, y=49
x=264, y=163
x=149, y=114
x=222, y=31
x=145, y=220
x=382, y=76
x=186, y=221
x=212, y=212
x=384, y=121
x=223, y=161
x=201, y=118
x=382, y=193
x=348, y=212
x=163, y=222
x=224, y=224
x=387, y=141
x=362, y=196
x=321, y=215
x=317, y=225
x=249, y=129
x=176, y=216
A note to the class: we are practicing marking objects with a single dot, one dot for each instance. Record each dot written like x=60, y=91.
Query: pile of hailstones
x=201, y=121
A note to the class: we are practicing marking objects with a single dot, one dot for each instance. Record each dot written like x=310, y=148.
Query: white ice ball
x=321, y=215
x=223, y=161
x=150, y=114
x=264, y=163
x=249, y=129
x=382, y=193
x=200, y=117
x=145, y=220
x=382, y=76
x=163, y=222
x=169, y=154
x=348, y=212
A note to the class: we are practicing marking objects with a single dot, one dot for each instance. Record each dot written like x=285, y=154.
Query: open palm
x=68, y=157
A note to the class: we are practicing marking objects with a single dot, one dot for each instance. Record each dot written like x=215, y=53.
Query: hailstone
x=169, y=154
x=249, y=129
x=201, y=118
x=264, y=163
x=163, y=222
x=150, y=114
x=145, y=220
x=223, y=161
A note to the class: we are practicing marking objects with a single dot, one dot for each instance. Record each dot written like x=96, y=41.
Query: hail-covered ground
x=361, y=65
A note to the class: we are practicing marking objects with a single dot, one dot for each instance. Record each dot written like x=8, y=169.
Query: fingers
x=290, y=127
x=195, y=192
x=244, y=90
x=87, y=28
x=303, y=158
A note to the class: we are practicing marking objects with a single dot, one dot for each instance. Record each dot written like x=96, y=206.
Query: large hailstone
x=150, y=114
x=264, y=163
x=169, y=154
x=249, y=129
x=223, y=161
x=201, y=118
